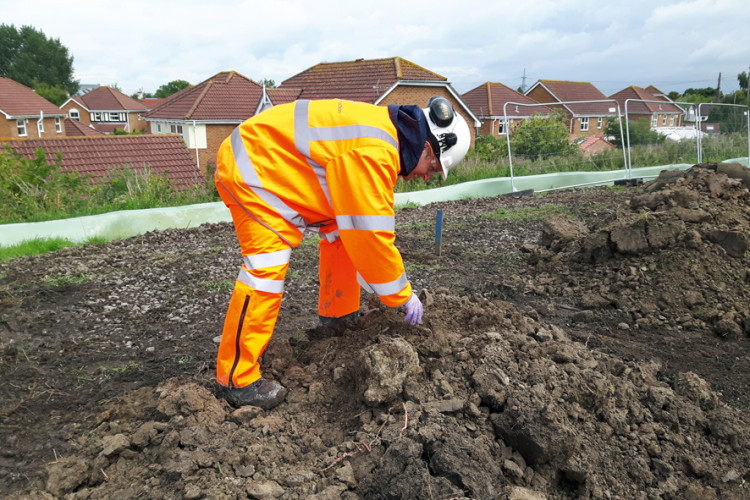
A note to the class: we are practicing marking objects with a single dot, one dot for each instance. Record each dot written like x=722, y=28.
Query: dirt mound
x=482, y=401
x=673, y=258
x=602, y=354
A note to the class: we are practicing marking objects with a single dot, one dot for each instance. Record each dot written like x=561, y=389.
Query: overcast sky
x=142, y=44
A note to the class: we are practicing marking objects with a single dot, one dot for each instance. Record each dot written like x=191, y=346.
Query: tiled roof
x=18, y=100
x=359, y=80
x=489, y=100
x=225, y=96
x=282, y=96
x=152, y=102
x=163, y=154
x=591, y=140
x=566, y=91
x=640, y=108
x=109, y=99
x=74, y=128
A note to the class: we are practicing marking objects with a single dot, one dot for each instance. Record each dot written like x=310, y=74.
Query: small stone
x=623, y=326
x=265, y=491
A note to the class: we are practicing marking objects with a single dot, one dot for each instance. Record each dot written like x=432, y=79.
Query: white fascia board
x=75, y=101
x=29, y=117
x=190, y=122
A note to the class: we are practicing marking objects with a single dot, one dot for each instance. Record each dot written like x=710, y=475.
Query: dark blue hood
x=412, y=129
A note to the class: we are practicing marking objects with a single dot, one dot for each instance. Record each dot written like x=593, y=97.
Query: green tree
x=742, y=79
x=30, y=58
x=268, y=83
x=170, y=88
x=640, y=133
x=541, y=136
x=489, y=148
x=55, y=95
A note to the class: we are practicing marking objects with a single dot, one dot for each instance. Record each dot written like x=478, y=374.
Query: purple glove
x=414, y=310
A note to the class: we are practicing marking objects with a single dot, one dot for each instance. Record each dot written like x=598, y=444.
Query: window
x=671, y=120
x=655, y=120
x=115, y=116
x=40, y=126
x=21, y=124
x=176, y=129
x=599, y=122
x=58, y=125
x=74, y=114
x=663, y=119
x=158, y=128
x=584, y=124
x=500, y=127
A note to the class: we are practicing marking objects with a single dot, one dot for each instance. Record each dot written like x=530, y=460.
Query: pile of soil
x=580, y=344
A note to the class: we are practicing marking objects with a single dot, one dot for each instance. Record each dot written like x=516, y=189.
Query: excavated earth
x=586, y=343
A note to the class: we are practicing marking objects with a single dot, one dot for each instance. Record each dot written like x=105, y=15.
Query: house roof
x=364, y=80
x=488, y=100
x=226, y=96
x=163, y=154
x=282, y=96
x=74, y=128
x=567, y=91
x=19, y=101
x=647, y=108
x=152, y=102
x=589, y=141
x=108, y=99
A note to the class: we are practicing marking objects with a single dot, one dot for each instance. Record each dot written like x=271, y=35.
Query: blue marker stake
x=439, y=232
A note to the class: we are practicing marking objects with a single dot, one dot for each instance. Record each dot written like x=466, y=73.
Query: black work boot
x=334, y=327
x=263, y=393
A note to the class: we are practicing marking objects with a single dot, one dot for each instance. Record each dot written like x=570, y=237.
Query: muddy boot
x=334, y=327
x=263, y=393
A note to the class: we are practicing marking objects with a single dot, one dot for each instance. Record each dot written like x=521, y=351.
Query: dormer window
x=73, y=113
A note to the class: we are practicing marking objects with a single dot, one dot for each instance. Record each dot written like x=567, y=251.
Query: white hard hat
x=449, y=134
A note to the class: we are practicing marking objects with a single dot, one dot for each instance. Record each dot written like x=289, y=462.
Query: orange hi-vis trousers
x=256, y=299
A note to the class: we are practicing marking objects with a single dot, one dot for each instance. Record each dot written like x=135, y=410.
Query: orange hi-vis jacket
x=328, y=166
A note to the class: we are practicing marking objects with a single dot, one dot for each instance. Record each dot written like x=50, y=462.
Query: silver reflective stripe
x=260, y=284
x=261, y=260
x=250, y=178
x=346, y=132
x=386, y=288
x=367, y=222
x=302, y=143
x=332, y=236
x=364, y=284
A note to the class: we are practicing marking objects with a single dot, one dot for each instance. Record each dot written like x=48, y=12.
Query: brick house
x=378, y=81
x=488, y=103
x=205, y=114
x=584, y=119
x=99, y=155
x=106, y=109
x=27, y=114
x=659, y=114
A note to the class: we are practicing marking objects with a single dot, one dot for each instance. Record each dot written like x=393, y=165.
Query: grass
x=530, y=213
x=39, y=246
x=67, y=280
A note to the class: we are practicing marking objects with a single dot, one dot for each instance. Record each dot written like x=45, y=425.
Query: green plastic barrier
x=123, y=224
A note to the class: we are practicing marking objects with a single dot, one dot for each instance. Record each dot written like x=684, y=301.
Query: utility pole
x=718, y=89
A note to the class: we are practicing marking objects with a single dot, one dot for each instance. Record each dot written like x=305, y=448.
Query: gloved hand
x=414, y=310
